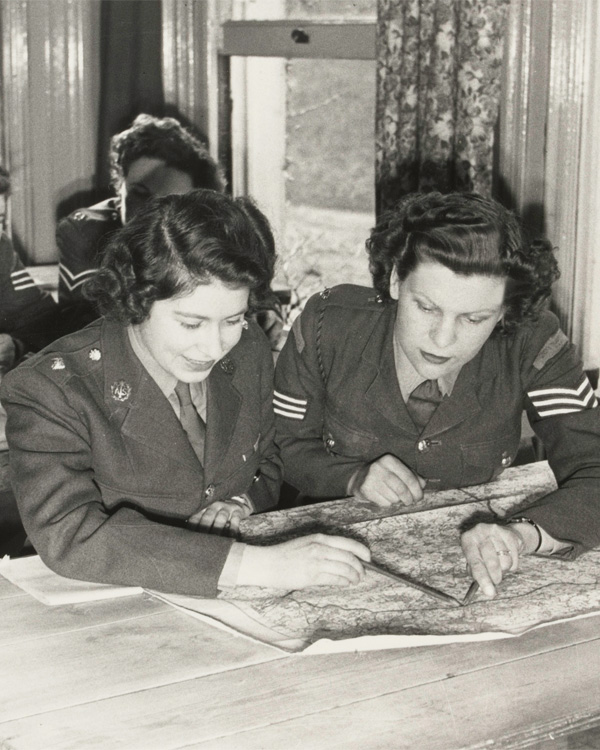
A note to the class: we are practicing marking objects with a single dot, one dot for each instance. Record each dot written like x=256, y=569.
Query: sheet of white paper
x=34, y=577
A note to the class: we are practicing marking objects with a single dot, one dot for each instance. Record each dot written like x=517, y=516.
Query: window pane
x=303, y=9
x=330, y=172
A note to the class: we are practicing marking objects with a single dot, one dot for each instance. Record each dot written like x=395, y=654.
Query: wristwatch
x=524, y=519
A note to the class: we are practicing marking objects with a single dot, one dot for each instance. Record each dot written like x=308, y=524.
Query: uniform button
x=325, y=293
x=330, y=442
x=506, y=459
x=210, y=490
x=423, y=446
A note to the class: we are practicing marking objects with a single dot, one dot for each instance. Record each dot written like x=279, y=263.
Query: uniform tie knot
x=423, y=401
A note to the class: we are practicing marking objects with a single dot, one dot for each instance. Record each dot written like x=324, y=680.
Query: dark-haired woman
x=134, y=438
x=422, y=381
x=154, y=157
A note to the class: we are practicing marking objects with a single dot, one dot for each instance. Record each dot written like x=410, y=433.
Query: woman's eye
x=235, y=321
x=424, y=308
x=190, y=326
x=476, y=321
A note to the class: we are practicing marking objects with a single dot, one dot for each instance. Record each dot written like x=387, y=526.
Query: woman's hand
x=386, y=482
x=315, y=560
x=221, y=517
x=493, y=550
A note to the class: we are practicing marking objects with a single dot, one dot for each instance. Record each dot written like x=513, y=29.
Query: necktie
x=191, y=421
x=423, y=401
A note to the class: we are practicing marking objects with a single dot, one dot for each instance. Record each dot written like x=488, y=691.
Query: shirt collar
x=166, y=381
x=409, y=378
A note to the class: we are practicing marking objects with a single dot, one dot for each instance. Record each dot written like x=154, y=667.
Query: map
x=425, y=546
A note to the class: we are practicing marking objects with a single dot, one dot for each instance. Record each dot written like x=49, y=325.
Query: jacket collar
x=139, y=406
x=383, y=390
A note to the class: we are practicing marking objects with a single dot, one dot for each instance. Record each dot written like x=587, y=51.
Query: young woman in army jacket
x=421, y=382
x=139, y=443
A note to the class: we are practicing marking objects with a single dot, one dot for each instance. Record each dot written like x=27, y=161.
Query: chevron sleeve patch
x=74, y=280
x=21, y=280
x=549, y=402
x=288, y=406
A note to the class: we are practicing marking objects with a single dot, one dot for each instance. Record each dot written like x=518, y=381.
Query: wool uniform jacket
x=104, y=474
x=27, y=312
x=81, y=238
x=339, y=406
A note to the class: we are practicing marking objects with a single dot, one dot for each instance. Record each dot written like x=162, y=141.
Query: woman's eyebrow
x=482, y=311
x=204, y=317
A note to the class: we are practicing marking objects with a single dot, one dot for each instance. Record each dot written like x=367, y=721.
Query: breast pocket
x=485, y=461
x=342, y=440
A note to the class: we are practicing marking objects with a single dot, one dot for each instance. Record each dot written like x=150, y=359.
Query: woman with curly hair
x=153, y=157
x=139, y=443
x=422, y=382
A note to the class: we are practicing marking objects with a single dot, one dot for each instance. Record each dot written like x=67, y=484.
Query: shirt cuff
x=245, y=500
x=229, y=574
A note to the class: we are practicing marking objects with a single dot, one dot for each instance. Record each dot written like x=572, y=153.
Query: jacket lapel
x=223, y=408
x=137, y=404
x=464, y=402
x=383, y=391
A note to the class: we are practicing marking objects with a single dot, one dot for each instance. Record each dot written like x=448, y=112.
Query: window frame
x=273, y=41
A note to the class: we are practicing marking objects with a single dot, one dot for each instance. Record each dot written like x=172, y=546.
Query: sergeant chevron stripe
x=552, y=401
x=21, y=280
x=286, y=406
x=73, y=280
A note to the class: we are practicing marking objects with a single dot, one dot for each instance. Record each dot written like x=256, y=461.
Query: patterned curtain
x=439, y=68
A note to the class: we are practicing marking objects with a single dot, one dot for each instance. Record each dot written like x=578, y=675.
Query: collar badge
x=58, y=363
x=120, y=390
x=227, y=365
x=95, y=354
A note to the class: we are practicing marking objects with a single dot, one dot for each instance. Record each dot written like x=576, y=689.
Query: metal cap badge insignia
x=120, y=390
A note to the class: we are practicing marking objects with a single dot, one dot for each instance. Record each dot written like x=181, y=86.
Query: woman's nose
x=443, y=333
x=211, y=343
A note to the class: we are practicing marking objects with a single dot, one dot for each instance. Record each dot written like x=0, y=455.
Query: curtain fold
x=439, y=70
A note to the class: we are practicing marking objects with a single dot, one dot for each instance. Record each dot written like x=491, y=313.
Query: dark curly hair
x=469, y=234
x=166, y=139
x=176, y=243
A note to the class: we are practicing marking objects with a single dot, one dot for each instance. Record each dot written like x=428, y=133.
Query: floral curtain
x=439, y=66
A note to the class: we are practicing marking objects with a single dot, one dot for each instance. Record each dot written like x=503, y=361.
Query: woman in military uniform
x=152, y=158
x=421, y=382
x=134, y=438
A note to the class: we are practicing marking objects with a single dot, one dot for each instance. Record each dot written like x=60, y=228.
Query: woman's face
x=443, y=319
x=188, y=335
x=148, y=178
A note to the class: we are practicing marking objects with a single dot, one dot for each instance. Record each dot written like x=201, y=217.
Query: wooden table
x=135, y=673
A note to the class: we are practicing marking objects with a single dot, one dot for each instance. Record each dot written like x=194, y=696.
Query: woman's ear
x=394, y=284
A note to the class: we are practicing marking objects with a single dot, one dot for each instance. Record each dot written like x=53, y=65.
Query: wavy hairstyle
x=469, y=234
x=163, y=138
x=176, y=243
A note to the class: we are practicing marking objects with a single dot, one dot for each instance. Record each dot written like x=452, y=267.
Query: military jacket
x=26, y=311
x=81, y=238
x=104, y=474
x=338, y=406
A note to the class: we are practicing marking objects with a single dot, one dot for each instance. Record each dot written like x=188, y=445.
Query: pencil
x=470, y=595
x=422, y=587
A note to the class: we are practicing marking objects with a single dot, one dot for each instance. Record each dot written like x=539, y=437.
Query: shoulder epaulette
x=351, y=295
x=106, y=211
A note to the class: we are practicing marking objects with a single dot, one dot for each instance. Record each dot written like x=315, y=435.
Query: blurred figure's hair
x=165, y=139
